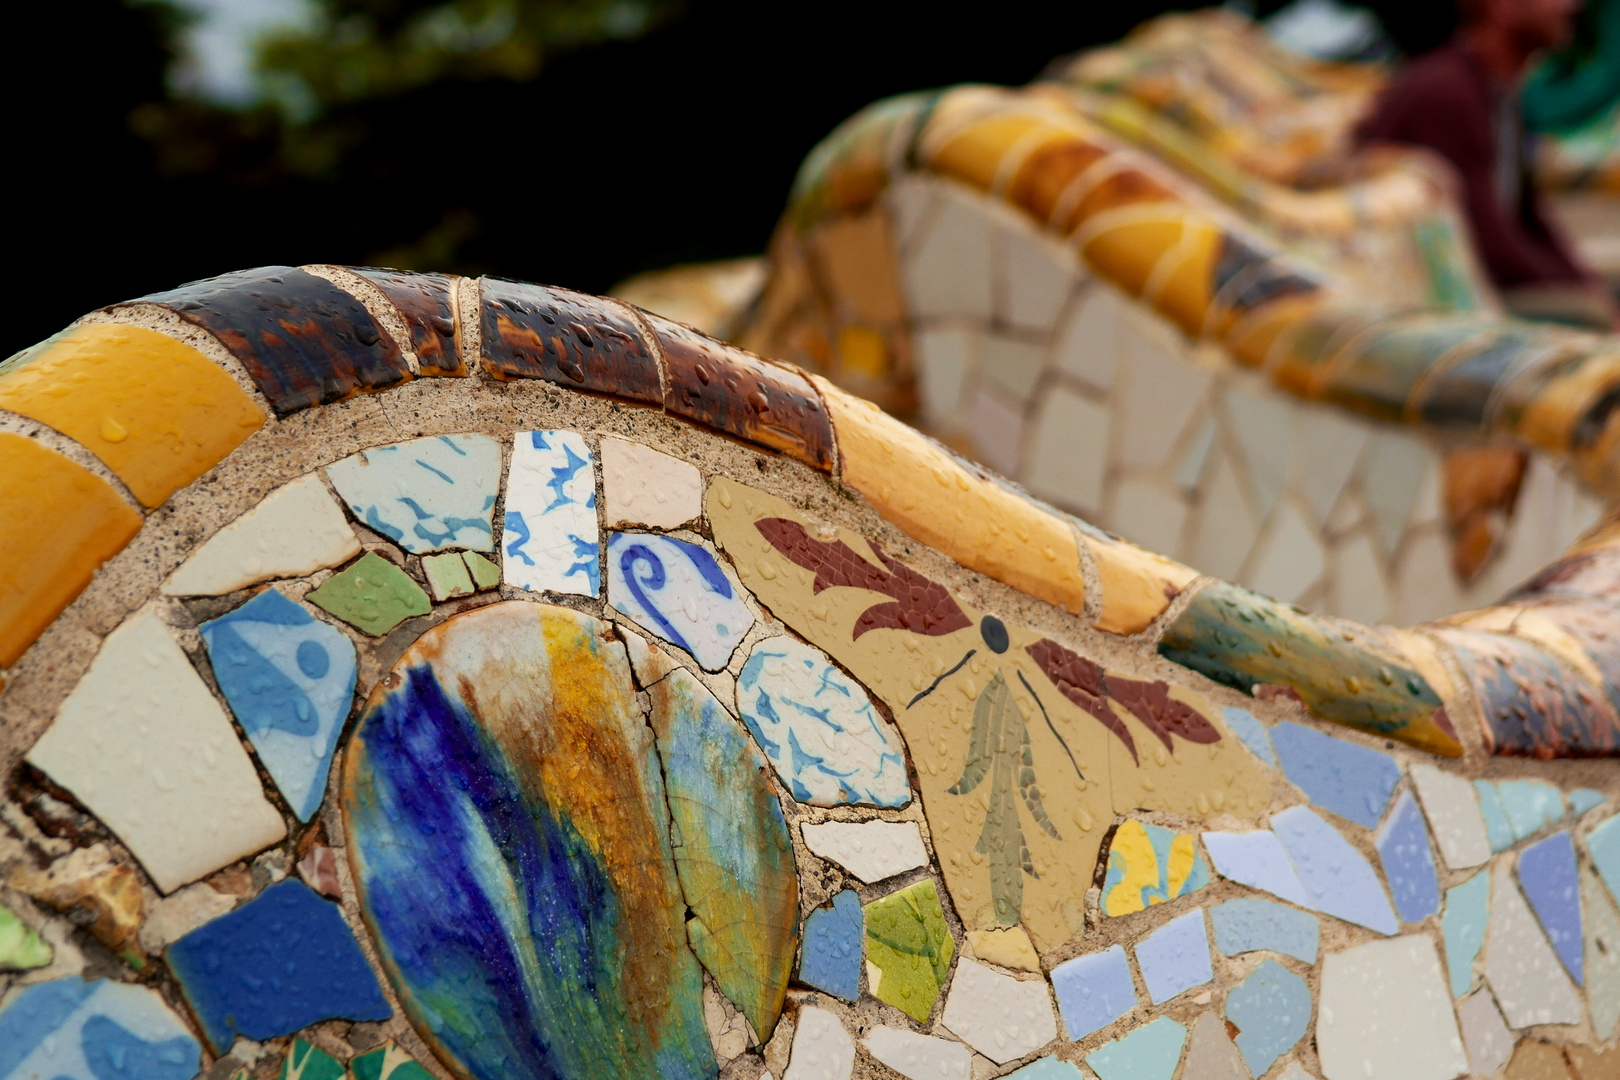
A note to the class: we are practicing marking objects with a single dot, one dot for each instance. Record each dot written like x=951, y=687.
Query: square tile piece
x=550, y=540
x=1385, y=1014
x=646, y=487
x=296, y=530
x=1001, y=1017
x=144, y=745
x=1452, y=808
x=1093, y=990
x=1175, y=957
x=426, y=494
x=871, y=850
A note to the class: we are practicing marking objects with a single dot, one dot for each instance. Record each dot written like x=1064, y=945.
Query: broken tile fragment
x=1256, y=859
x=1403, y=847
x=1452, y=807
x=550, y=540
x=1271, y=1008
x=1047, y=1068
x=296, y=530
x=373, y=595
x=1248, y=924
x=1462, y=925
x=387, y=1062
x=677, y=590
x=1001, y=1017
x=21, y=947
x=728, y=1030
x=908, y=948
x=919, y=1057
x=318, y=868
x=1337, y=878
x=70, y=1029
x=1534, y=1059
x=1583, y=799
x=1148, y=865
x=175, y=916
x=822, y=1049
x=447, y=576
x=1521, y=968
x=830, y=959
x=1385, y=1014
x=1352, y=781
x=89, y=883
x=1485, y=1034
x=485, y=574
x=289, y=679
x=1210, y=1053
x=1498, y=832
x=1148, y=1053
x=646, y=487
x=307, y=1062
x=1175, y=957
x=1251, y=732
x=144, y=745
x=1603, y=845
x=426, y=494
x=304, y=961
x=1548, y=877
x=1006, y=946
x=871, y=850
x=1529, y=805
x=1602, y=956
x=1093, y=990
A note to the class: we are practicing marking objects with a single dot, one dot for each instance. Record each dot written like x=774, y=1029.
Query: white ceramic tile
x=1012, y=364
x=1162, y=391
x=1392, y=470
x=911, y=202
x=822, y=1049
x=146, y=748
x=1290, y=557
x=1452, y=808
x=1425, y=587
x=1035, y=276
x=946, y=270
x=550, y=540
x=919, y=1057
x=1484, y=1032
x=1226, y=529
x=1359, y=590
x=1001, y=1017
x=426, y=494
x=173, y=917
x=1259, y=423
x=1520, y=965
x=997, y=429
x=1602, y=930
x=1529, y=544
x=1426, y=504
x=1087, y=343
x=298, y=529
x=1149, y=515
x=945, y=355
x=679, y=591
x=645, y=487
x=1190, y=470
x=1324, y=451
x=871, y=850
x=1068, y=450
x=1292, y=1071
x=1385, y=1014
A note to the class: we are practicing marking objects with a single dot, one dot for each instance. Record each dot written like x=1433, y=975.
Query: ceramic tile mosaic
x=1602, y=955
x=1047, y=1068
x=646, y=487
x=1396, y=989
x=1550, y=882
x=1271, y=1009
x=908, y=949
x=1529, y=805
x=387, y=1062
x=1403, y=849
x=296, y=530
x=1498, y=832
x=1001, y=1017
x=1603, y=845
x=373, y=595
x=1450, y=803
x=1521, y=967
x=178, y=914
x=1093, y=990
x=73, y=1029
x=1148, y=864
x=871, y=850
x=678, y=591
x=1247, y=925
x=1256, y=859
x=307, y=1062
x=822, y=1049
x=1352, y=781
x=143, y=744
x=919, y=1057
x=1009, y=947
x=1336, y=877
x=427, y=494
x=549, y=541
x=1211, y=1054
x=830, y=958
x=1148, y=1053
x=21, y=947
x=1485, y=1034
x=1252, y=732
x=447, y=576
x=1463, y=923
x=1175, y=958
x=1583, y=799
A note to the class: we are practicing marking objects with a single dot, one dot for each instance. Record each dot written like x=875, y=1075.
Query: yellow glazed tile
x=157, y=411
x=61, y=522
x=1137, y=585
x=1180, y=287
x=1008, y=948
x=932, y=498
x=1124, y=245
x=1549, y=419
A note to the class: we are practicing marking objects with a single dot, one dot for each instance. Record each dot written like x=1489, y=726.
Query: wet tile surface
x=1352, y=781
x=447, y=576
x=679, y=591
x=1393, y=991
x=1498, y=833
x=1462, y=924
x=1001, y=1017
x=1602, y=945
x=306, y=1062
x=1337, y=878
x=1256, y=859
x=646, y=487
x=1211, y=1054
x=1175, y=957
x=1149, y=864
x=424, y=302
x=831, y=955
x=1603, y=845
x=1093, y=990
x=1248, y=924
x=576, y=341
x=1452, y=807
x=871, y=850
x=1271, y=1008
x=1403, y=848
x=550, y=540
x=1485, y=1034
x=1520, y=966
x=1548, y=877
x=296, y=530
x=1148, y=1053
x=21, y=947
x=426, y=494
x=1252, y=732
x=1047, y=1068
x=373, y=595
x=1529, y=805
x=908, y=949
x=919, y=1057
x=822, y=1049
x=70, y=1029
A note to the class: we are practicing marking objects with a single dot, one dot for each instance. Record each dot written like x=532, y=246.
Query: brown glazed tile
x=578, y=341
x=303, y=340
x=736, y=392
x=1533, y=704
x=425, y=302
x=1481, y=489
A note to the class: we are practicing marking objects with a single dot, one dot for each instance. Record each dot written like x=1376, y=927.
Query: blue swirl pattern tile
x=550, y=540
x=679, y=591
x=426, y=494
x=289, y=678
x=819, y=729
x=69, y=1029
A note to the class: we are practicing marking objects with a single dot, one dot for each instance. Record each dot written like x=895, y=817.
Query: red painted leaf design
x=1081, y=681
x=1151, y=703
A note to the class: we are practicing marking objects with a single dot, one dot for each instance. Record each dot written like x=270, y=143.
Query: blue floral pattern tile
x=679, y=591
x=289, y=678
x=550, y=540
x=426, y=494
x=819, y=729
x=69, y=1029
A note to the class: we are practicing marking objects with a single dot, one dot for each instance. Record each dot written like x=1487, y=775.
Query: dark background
x=617, y=157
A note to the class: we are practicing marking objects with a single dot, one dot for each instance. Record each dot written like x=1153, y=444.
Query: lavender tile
x=1093, y=990
x=1353, y=781
x=1337, y=878
x=1403, y=848
x=1175, y=957
x=1249, y=924
x=1547, y=875
x=1256, y=859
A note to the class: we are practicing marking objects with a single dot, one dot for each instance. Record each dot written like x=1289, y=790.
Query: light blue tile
x=1403, y=848
x=1583, y=799
x=1547, y=875
x=1530, y=805
x=830, y=957
x=1175, y=957
x=1093, y=990
x=679, y=591
x=1467, y=913
x=1337, y=878
x=550, y=539
x=69, y=1029
x=289, y=678
x=1603, y=844
x=1048, y=1068
x=827, y=742
x=1271, y=1009
x=426, y=494
x=1251, y=731
x=1148, y=1053
x=1497, y=829
x=1249, y=924
x=1353, y=781
x=1256, y=859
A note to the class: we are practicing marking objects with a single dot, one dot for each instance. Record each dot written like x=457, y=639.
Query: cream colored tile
x=918, y=1057
x=1359, y=590
x=1226, y=528
x=1425, y=587
x=1161, y=392
x=1012, y=364
x=1385, y=1014
x=1087, y=342
x=822, y=1048
x=1290, y=557
x=1324, y=449
x=1190, y=471
x=1147, y=514
x=946, y=272
x=645, y=487
x=871, y=850
x=1001, y=1017
x=1068, y=451
x=297, y=529
x=1259, y=425
x=1035, y=276
x=997, y=428
x=945, y=356
x=1521, y=967
x=912, y=202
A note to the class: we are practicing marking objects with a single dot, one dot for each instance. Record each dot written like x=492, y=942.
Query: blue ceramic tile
x=1353, y=781
x=1583, y=799
x=1249, y=924
x=678, y=591
x=1547, y=875
x=831, y=960
x=1467, y=913
x=1257, y=860
x=1175, y=957
x=1271, y=1009
x=550, y=539
x=1093, y=990
x=1337, y=878
x=289, y=678
x=1048, y=1068
x=1403, y=848
x=1603, y=844
x=69, y=1029
x=1529, y=805
x=426, y=494
x=1497, y=829
x=1251, y=732
x=1148, y=1053
x=278, y=963
x=820, y=731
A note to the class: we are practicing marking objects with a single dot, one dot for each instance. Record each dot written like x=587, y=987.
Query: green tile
x=909, y=944
x=387, y=1062
x=21, y=947
x=373, y=595
x=485, y=574
x=306, y=1062
x=447, y=575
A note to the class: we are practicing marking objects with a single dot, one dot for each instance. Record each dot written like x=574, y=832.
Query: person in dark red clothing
x=1462, y=102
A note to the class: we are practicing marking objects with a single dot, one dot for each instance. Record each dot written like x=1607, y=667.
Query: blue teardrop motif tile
x=679, y=591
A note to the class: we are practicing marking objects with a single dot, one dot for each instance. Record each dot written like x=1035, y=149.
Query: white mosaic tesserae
x=1385, y=1014
x=646, y=487
x=871, y=850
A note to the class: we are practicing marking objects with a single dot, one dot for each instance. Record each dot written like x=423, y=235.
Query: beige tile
x=946, y=355
x=1258, y=425
x=1289, y=560
x=646, y=487
x=1324, y=449
x=1358, y=589
x=1036, y=275
x=1226, y=529
x=1425, y=587
x=1385, y=1014
x=1393, y=468
x=1087, y=342
x=1012, y=364
x=1161, y=392
x=997, y=430
x=912, y=203
x=946, y=273
x=1068, y=450
x=857, y=256
x=1149, y=514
